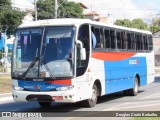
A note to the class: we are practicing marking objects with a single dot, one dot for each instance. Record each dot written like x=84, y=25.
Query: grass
x=5, y=84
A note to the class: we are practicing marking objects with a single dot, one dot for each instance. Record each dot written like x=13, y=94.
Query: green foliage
x=154, y=28
x=155, y=25
x=45, y=9
x=139, y=24
x=125, y=23
x=9, y=18
x=70, y=9
x=136, y=23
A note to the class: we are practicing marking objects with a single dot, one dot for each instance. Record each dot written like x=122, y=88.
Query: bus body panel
x=120, y=73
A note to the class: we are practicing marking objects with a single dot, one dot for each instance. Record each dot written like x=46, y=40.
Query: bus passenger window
x=129, y=40
x=113, y=41
x=138, y=42
x=133, y=42
x=107, y=39
x=119, y=40
x=124, y=40
x=150, y=43
x=97, y=37
x=145, y=42
x=141, y=42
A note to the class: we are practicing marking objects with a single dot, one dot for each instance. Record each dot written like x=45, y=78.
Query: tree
x=136, y=23
x=45, y=9
x=155, y=26
x=71, y=9
x=139, y=24
x=9, y=18
x=125, y=23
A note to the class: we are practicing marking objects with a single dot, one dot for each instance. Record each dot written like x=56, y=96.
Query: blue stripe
x=120, y=75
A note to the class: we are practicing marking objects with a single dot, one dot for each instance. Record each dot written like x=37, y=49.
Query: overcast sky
x=129, y=9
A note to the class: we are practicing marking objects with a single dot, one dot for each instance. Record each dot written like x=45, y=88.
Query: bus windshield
x=43, y=52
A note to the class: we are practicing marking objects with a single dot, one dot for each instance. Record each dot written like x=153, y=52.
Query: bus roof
x=74, y=21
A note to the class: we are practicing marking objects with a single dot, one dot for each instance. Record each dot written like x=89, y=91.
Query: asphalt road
x=148, y=99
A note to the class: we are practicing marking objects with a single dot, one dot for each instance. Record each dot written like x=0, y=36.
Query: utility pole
x=5, y=51
x=57, y=6
x=56, y=9
x=35, y=7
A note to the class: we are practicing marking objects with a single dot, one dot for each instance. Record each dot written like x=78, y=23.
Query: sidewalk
x=2, y=73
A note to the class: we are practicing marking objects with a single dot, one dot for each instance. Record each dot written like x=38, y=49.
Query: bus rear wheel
x=133, y=91
x=44, y=104
x=93, y=101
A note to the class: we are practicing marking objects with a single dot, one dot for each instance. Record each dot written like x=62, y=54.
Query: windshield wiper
x=30, y=66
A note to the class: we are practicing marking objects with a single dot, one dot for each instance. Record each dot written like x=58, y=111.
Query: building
x=156, y=46
x=26, y=6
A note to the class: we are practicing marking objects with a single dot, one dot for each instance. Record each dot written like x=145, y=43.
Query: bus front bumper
x=56, y=96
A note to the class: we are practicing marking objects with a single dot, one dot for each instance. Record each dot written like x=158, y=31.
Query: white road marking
x=150, y=96
x=6, y=99
x=115, y=106
x=138, y=106
x=6, y=94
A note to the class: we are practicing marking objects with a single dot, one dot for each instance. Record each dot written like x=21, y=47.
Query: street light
x=57, y=6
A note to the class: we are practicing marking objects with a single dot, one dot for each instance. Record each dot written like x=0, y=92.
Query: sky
x=122, y=9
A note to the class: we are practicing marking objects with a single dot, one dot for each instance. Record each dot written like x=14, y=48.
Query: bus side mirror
x=83, y=54
x=82, y=50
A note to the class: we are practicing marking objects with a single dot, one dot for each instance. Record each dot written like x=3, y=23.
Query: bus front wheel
x=44, y=104
x=92, y=102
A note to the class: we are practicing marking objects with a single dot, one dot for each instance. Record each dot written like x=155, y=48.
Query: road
x=148, y=99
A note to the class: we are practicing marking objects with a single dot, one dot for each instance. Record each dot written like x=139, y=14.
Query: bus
x=102, y=59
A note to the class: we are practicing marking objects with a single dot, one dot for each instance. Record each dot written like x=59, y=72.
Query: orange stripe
x=67, y=82
x=112, y=56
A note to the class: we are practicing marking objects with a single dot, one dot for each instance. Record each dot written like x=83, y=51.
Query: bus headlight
x=17, y=88
x=64, y=88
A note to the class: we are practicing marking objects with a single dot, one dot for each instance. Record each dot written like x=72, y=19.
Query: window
x=141, y=42
x=98, y=39
x=129, y=40
x=150, y=42
x=113, y=40
x=138, y=44
x=133, y=41
x=83, y=36
x=124, y=40
x=119, y=39
x=107, y=38
x=145, y=42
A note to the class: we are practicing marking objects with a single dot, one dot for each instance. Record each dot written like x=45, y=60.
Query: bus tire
x=44, y=104
x=93, y=101
x=134, y=90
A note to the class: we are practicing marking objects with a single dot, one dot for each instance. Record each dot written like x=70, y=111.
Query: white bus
x=71, y=60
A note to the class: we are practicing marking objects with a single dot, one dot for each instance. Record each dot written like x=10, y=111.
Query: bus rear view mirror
x=83, y=54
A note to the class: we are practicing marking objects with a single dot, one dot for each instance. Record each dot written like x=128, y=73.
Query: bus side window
x=124, y=40
x=145, y=42
x=138, y=44
x=150, y=42
x=141, y=42
x=119, y=39
x=107, y=39
x=129, y=40
x=113, y=40
x=133, y=42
